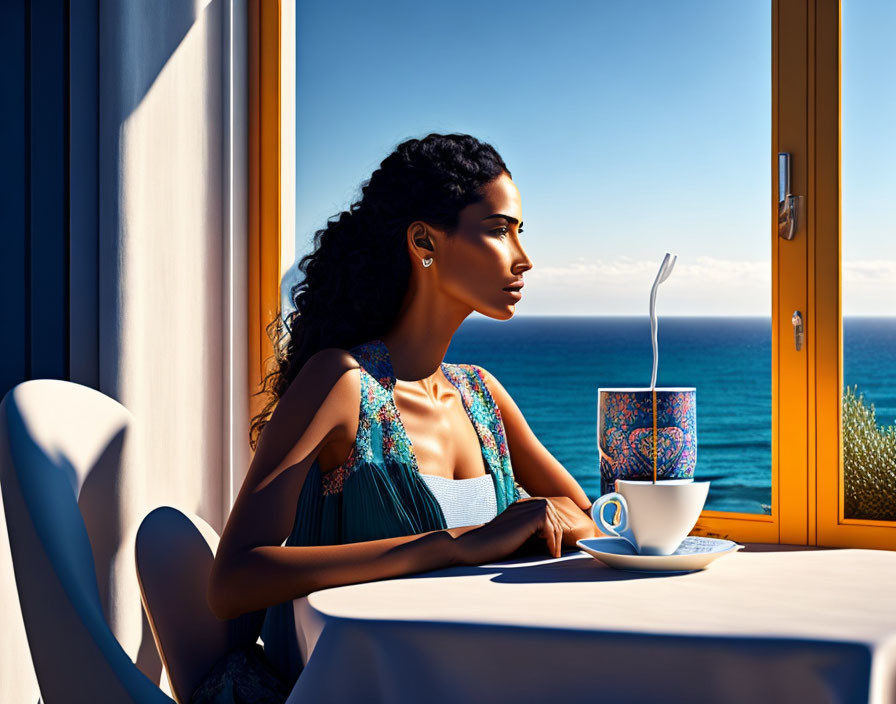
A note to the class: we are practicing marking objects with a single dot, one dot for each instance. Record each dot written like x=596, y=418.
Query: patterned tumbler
x=625, y=434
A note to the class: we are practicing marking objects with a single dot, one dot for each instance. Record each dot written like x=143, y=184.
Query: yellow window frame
x=833, y=528
x=264, y=207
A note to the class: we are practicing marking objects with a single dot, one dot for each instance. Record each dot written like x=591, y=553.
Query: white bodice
x=464, y=502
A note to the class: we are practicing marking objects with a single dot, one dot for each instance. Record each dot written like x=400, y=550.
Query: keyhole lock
x=798, y=331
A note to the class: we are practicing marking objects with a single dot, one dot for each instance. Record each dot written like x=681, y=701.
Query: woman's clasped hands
x=556, y=520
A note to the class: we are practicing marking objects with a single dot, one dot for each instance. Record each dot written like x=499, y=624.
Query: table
x=769, y=623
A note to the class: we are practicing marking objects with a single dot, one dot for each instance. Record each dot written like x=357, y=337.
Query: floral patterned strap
x=374, y=407
x=486, y=416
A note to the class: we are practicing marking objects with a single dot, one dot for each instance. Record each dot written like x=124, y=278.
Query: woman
x=436, y=465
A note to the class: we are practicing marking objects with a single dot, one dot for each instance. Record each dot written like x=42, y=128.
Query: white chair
x=174, y=558
x=54, y=437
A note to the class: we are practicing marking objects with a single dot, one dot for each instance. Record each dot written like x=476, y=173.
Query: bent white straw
x=663, y=274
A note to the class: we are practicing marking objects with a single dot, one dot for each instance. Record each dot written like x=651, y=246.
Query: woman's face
x=485, y=254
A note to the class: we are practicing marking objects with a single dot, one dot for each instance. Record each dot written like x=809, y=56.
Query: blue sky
x=869, y=156
x=631, y=128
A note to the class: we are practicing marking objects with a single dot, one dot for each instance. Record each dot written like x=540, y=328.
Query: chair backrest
x=53, y=436
x=174, y=554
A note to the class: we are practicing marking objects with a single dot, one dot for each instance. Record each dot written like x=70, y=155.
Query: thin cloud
x=864, y=271
x=704, y=286
x=704, y=268
x=627, y=270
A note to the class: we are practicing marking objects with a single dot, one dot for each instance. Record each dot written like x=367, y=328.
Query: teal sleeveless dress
x=378, y=492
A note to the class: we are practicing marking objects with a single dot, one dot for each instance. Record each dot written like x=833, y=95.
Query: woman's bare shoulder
x=322, y=372
x=324, y=394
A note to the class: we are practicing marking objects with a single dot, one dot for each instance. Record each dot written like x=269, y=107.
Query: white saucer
x=694, y=553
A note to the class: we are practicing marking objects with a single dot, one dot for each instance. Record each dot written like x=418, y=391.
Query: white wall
x=168, y=307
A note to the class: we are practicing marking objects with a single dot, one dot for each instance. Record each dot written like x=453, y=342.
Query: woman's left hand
x=575, y=522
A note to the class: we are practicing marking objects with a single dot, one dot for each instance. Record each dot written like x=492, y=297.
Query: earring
x=427, y=261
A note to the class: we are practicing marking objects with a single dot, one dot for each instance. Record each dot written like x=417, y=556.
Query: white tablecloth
x=766, y=624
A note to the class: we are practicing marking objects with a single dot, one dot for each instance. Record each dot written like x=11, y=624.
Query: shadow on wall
x=137, y=41
x=141, y=46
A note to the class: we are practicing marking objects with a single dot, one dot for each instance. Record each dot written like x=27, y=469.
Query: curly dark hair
x=357, y=276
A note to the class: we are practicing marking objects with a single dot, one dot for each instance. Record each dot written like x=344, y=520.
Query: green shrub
x=869, y=461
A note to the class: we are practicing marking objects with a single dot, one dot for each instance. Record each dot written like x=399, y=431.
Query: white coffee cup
x=654, y=518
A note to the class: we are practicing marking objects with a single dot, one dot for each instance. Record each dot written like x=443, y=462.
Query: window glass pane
x=869, y=259
x=631, y=129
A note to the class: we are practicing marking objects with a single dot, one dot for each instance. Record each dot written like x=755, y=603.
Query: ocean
x=553, y=367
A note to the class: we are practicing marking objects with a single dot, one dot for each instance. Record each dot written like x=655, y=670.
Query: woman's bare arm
x=538, y=471
x=252, y=567
x=302, y=570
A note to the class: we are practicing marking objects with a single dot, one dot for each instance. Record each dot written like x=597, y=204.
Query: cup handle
x=619, y=528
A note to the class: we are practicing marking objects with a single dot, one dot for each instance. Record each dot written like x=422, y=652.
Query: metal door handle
x=798, y=331
x=788, y=205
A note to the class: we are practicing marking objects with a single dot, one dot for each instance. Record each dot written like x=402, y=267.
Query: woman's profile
x=373, y=457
